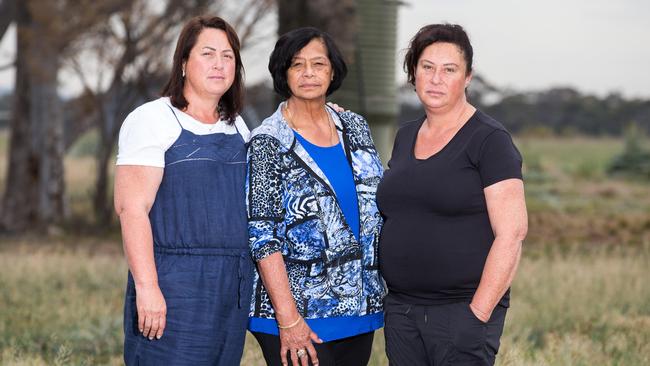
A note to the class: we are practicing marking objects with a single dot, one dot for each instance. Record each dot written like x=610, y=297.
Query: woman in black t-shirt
x=455, y=215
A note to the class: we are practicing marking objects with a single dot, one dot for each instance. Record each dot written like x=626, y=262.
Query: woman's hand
x=152, y=311
x=295, y=335
x=480, y=315
x=295, y=338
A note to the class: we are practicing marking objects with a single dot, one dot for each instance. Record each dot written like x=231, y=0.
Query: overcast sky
x=596, y=46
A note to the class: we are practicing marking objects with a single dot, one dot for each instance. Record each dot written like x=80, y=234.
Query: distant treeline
x=561, y=111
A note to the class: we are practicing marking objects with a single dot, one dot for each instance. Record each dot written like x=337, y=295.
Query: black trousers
x=351, y=351
x=440, y=335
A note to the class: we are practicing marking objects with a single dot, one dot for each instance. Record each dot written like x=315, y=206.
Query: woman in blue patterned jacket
x=313, y=221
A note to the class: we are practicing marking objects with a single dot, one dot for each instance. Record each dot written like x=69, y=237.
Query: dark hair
x=432, y=33
x=291, y=43
x=232, y=101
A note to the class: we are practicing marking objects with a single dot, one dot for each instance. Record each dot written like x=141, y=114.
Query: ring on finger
x=301, y=353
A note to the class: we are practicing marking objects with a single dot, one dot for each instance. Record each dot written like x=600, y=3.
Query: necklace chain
x=196, y=118
x=330, y=122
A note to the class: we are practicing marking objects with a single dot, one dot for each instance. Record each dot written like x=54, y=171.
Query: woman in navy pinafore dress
x=190, y=278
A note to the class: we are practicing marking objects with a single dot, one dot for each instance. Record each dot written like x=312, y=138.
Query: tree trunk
x=21, y=182
x=337, y=18
x=113, y=106
x=7, y=15
x=34, y=194
x=109, y=127
x=101, y=204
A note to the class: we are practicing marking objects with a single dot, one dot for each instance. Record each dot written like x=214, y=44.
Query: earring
x=183, y=72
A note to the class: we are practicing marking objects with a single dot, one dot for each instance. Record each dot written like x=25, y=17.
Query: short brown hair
x=432, y=33
x=232, y=101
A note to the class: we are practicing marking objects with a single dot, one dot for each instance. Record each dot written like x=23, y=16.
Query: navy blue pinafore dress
x=202, y=258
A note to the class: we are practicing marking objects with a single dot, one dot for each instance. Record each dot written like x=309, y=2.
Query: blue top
x=327, y=329
x=331, y=160
x=294, y=209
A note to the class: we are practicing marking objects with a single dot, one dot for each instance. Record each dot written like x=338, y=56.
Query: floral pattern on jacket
x=292, y=209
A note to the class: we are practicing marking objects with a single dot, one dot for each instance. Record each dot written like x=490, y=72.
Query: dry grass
x=572, y=201
x=584, y=307
x=60, y=305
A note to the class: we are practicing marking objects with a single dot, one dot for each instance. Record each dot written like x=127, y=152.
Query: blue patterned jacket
x=292, y=209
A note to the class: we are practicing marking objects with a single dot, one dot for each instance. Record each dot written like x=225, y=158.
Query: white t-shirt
x=151, y=129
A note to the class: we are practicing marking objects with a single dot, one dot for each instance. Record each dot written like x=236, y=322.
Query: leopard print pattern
x=292, y=210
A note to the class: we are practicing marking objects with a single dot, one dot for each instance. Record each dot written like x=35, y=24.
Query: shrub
x=634, y=162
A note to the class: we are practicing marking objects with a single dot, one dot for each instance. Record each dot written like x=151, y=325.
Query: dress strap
x=236, y=128
x=175, y=116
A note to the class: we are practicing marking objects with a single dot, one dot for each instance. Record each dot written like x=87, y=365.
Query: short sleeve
x=499, y=159
x=242, y=128
x=140, y=143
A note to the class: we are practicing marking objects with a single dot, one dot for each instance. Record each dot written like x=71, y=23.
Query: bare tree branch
x=76, y=66
x=260, y=10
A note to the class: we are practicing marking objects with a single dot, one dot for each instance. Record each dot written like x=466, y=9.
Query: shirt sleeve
x=499, y=159
x=242, y=128
x=266, y=227
x=141, y=142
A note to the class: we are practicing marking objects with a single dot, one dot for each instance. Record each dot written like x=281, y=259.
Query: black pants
x=351, y=351
x=440, y=335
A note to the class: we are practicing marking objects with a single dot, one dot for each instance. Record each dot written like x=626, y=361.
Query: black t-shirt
x=437, y=233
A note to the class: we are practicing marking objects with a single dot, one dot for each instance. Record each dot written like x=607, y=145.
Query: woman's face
x=310, y=73
x=441, y=77
x=210, y=67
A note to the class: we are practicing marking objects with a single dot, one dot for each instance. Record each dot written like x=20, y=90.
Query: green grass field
x=581, y=296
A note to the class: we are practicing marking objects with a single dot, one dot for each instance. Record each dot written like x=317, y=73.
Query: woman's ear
x=468, y=79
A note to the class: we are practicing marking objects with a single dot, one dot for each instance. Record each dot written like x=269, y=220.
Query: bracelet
x=290, y=325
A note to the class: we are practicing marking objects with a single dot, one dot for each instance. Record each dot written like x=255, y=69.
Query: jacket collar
x=277, y=127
